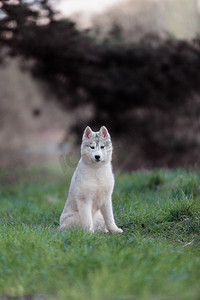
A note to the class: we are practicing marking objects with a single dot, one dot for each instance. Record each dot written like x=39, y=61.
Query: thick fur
x=89, y=201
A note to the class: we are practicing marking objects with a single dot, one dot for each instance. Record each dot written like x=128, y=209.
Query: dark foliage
x=135, y=89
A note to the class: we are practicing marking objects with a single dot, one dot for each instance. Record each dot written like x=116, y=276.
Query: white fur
x=89, y=201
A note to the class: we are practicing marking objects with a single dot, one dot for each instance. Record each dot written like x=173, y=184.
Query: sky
x=69, y=7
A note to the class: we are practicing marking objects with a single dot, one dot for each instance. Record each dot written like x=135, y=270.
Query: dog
x=89, y=201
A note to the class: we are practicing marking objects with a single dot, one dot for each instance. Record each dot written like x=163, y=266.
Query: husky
x=89, y=201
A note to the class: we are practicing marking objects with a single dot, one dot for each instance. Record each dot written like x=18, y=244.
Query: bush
x=142, y=92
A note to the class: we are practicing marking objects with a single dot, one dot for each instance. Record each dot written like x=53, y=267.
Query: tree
x=136, y=89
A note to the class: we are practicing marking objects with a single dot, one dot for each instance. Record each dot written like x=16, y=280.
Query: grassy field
x=156, y=258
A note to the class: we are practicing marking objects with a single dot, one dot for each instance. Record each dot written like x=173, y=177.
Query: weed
x=180, y=207
x=155, y=179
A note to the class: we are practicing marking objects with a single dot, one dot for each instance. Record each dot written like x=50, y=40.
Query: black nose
x=97, y=157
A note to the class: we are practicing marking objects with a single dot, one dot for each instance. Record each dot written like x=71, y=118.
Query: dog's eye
x=102, y=147
x=92, y=147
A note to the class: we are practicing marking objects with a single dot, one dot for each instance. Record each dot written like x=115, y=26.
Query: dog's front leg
x=107, y=213
x=85, y=214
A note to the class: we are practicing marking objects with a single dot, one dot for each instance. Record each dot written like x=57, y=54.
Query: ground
x=157, y=256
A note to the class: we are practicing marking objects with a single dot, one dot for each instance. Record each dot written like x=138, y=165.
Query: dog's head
x=96, y=146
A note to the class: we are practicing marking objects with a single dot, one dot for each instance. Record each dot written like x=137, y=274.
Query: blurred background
x=132, y=66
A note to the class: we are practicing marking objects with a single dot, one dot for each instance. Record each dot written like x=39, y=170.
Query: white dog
x=89, y=201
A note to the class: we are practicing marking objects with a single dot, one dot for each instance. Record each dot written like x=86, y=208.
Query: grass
x=156, y=258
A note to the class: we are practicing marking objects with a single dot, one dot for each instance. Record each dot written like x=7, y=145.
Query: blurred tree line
x=145, y=93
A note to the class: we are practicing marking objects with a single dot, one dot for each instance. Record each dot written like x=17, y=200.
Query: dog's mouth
x=97, y=159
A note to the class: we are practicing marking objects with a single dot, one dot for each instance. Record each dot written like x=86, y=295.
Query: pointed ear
x=87, y=133
x=104, y=132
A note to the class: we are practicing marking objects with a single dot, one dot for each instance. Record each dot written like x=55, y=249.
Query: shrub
x=136, y=90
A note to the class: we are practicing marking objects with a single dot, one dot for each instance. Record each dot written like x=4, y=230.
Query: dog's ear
x=104, y=132
x=87, y=133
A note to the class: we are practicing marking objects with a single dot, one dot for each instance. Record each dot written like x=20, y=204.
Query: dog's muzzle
x=97, y=157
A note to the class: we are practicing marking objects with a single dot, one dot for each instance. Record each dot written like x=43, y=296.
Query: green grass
x=156, y=258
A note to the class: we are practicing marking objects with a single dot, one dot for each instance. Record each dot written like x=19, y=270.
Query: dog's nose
x=97, y=157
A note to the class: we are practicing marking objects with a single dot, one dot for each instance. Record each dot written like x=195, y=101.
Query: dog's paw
x=119, y=230
x=116, y=230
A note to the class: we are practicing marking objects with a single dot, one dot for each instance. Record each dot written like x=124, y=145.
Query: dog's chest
x=101, y=188
x=93, y=185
